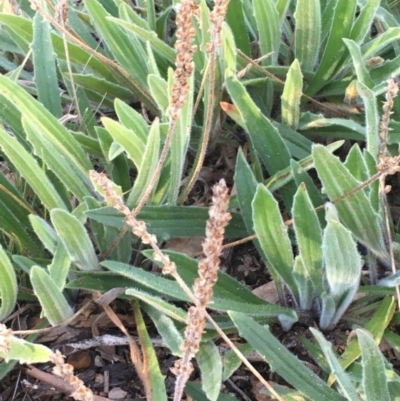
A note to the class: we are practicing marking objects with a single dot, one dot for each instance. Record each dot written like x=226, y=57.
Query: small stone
x=99, y=379
x=117, y=393
x=98, y=361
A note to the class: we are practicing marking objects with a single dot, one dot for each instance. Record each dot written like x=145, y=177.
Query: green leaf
x=303, y=283
x=55, y=306
x=44, y=122
x=225, y=287
x=246, y=186
x=284, y=176
x=107, y=89
x=232, y=362
x=159, y=90
x=222, y=300
x=147, y=166
x=355, y=211
x=282, y=361
x=14, y=217
x=8, y=285
x=361, y=27
x=158, y=303
x=373, y=364
x=381, y=42
x=130, y=142
x=273, y=236
x=132, y=120
x=268, y=22
x=166, y=328
x=307, y=32
x=318, y=122
x=236, y=21
x=309, y=237
x=75, y=239
x=196, y=393
x=126, y=48
x=146, y=34
x=170, y=221
x=265, y=137
x=45, y=67
x=26, y=352
x=335, y=49
x=153, y=374
x=342, y=260
x=210, y=366
x=371, y=117
x=28, y=168
x=359, y=64
x=45, y=233
x=376, y=326
x=328, y=309
x=59, y=267
x=342, y=377
x=299, y=172
x=229, y=48
x=291, y=96
x=63, y=166
x=355, y=163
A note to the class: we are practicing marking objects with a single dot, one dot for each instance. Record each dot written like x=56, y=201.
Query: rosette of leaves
x=325, y=274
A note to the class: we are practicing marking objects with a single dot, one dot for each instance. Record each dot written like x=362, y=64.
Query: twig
x=57, y=382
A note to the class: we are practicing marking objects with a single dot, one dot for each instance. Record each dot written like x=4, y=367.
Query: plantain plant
x=102, y=63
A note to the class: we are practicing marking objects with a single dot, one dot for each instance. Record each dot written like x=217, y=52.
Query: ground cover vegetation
x=128, y=126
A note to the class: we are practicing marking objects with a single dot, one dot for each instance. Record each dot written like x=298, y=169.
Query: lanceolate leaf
x=26, y=352
x=8, y=285
x=307, y=32
x=130, y=142
x=374, y=378
x=335, y=48
x=45, y=67
x=291, y=96
x=356, y=164
x=170, y=221
x=75, y=239
x=147, y=166
x=156, y=380
x=45, y=232
x=265, y=137
x=371, y=118
x=68, y=172
x=127, y=49
x=342, y=261
x=53, y=302
x=309, y=237
x=27, y=166
x=210, y=365
x=166, y=328
x=343, y=378
x=355, y=210
x=222, y=299
x=44, y=121
x=268, y=24
x=272, y=235
x=361, y=27
x=359, y=64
